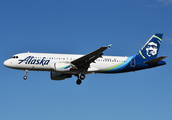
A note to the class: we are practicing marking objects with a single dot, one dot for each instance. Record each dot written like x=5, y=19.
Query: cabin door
x=133, y=62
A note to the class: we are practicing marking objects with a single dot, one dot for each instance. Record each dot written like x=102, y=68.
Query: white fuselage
x=46, y=62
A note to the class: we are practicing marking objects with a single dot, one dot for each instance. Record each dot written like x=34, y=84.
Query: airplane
x=62, y=66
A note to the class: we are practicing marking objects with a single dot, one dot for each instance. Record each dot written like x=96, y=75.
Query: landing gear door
x=133, y=62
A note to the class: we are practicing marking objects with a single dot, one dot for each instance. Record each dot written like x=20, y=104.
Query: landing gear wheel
x=82, y=76
x=78, y=82
x=25, y=77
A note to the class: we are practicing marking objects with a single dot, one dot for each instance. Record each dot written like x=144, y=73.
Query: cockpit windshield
x=14, y=57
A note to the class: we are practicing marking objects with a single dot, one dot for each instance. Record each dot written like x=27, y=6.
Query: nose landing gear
x=80, y=78
x=25, y=77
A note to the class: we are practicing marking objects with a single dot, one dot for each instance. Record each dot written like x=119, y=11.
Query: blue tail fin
x=150, y=49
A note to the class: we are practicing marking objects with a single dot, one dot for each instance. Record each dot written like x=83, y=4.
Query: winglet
x=109, y=46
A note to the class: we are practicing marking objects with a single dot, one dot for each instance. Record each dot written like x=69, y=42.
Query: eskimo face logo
x=151, y=49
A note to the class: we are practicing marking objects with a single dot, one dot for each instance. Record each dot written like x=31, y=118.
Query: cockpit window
x=14, y=57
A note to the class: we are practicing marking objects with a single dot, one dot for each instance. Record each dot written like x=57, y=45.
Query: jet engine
x=61, y=67
x=59, y=76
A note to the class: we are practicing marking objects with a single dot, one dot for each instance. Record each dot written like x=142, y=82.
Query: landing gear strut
x=25, y=77
x=80, y=78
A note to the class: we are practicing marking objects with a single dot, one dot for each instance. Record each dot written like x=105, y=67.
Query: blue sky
x=79, y=27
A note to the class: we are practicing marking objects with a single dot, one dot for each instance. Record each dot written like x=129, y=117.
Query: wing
x=84, y=61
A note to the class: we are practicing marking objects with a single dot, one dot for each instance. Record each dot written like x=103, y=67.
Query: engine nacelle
x=61, y=67
x=59, y=76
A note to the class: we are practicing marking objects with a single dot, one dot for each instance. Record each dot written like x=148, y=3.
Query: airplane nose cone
x=6, y=63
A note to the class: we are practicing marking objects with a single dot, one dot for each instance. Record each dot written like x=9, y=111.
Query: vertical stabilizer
x=150, y=49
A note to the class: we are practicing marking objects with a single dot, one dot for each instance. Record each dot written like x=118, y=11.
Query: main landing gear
x=80, y=78
x=25, y=77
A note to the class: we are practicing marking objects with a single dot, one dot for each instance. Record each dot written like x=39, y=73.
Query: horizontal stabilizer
x=156, y=60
